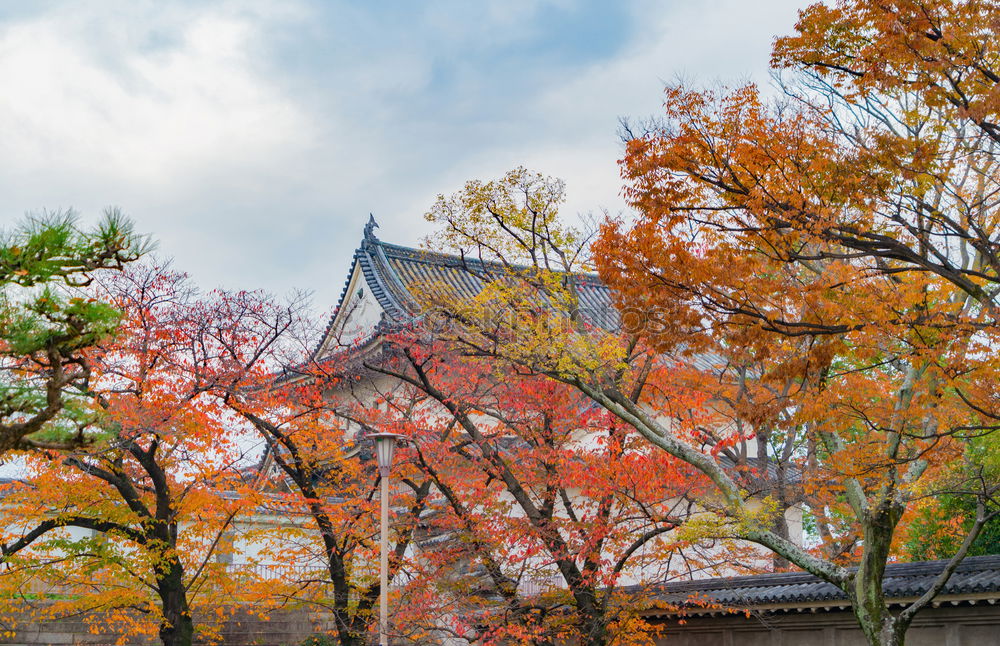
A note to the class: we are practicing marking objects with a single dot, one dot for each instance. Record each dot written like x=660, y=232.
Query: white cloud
x=702, y=42
x=154, y=118
x=252, y=138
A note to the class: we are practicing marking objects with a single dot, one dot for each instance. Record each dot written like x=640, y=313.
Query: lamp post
x=385, y=445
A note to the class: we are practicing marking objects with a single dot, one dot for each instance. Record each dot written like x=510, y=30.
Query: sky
x=252, y=139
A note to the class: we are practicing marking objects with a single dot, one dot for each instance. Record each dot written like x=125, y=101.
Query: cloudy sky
x=253, y=138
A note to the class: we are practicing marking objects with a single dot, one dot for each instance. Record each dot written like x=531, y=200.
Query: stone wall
x=283, y=628
x=964, y=625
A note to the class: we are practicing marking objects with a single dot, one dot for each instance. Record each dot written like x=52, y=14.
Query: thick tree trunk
x=593, y=620
x=177, y=628
x=886, y=634
x=779, y=562
x=868, y=599
x=882, y=631
x=352, y=624
x=352, y=631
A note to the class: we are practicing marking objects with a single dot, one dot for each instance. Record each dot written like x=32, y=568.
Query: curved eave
x=383, y=285
x=981, y=599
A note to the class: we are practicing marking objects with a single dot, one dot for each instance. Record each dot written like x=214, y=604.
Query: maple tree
x=161, y=490
x=46, y=323
x=320, y=472
x=323, y=474
x=545, y=505
x=849, y=388
x=843, y=236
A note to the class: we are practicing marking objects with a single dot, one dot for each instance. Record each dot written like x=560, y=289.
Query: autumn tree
x=545, y=506
x=854, y=220
x=161, y=491
x=47, y=323
x=838, y=383
x=480, y=440
x=313, y=416
x=918, y=59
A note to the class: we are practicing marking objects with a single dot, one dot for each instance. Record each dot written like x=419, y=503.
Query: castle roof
x=393, y=276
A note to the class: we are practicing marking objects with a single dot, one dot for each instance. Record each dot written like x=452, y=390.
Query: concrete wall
x=977, y=625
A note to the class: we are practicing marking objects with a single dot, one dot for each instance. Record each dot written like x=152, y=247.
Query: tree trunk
x=177, y=628
x=353, y=631
x=351, y=623
x=886, y=634
x=868, y=599
x=778, y=562
x=883, y=632
x=595, y=633
x=593, y=623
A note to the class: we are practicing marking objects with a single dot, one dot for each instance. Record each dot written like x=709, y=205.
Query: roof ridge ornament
x=370, y=228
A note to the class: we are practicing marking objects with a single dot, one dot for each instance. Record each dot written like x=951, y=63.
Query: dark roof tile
x=975, y=575
x=393, y=273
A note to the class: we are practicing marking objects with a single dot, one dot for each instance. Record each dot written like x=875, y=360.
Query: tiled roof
x=976, y=576
x=403, y=270
x=394, y=274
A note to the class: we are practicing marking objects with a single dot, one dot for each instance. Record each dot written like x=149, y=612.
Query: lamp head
x=385, y=445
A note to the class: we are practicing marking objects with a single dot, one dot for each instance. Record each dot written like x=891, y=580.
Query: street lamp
x=385, y=445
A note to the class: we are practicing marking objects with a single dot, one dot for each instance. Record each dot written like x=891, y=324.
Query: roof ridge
x=779, y=579
x=428, y=255
x=382, y=262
